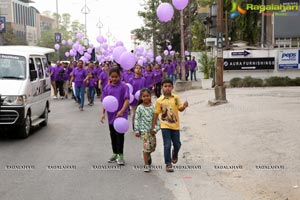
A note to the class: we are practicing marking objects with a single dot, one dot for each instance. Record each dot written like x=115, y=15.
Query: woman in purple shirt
x=80, y=76
x=121, y=92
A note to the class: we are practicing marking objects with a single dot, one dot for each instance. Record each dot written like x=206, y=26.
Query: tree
x=198, y=36
x=68, y=30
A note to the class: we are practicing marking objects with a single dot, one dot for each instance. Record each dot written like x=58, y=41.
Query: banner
x=249, y=63
x=2, y=24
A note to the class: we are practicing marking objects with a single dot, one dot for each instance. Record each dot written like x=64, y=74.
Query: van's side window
x=40, y=70
x=46, y=67
x=31, y=67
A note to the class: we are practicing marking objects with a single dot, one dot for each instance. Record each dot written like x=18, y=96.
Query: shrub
x=248, y=81
x=278, y=81
x=236, y=82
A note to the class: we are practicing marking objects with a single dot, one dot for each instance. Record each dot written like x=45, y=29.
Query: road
x=68, y=160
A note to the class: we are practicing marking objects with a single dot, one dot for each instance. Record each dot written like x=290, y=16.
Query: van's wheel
x=25, y=128
x=45, y=116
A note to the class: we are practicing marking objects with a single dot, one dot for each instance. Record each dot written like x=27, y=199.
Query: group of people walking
x=89, y=79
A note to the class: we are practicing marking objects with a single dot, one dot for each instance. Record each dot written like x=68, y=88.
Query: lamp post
x=99, y=25
x=85, y=10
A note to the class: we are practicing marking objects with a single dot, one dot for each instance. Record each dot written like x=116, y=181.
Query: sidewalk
x=256, y=133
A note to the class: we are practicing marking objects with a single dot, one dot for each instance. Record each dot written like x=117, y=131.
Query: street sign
x=220, y=41
x=240, y=53
x=57, y=38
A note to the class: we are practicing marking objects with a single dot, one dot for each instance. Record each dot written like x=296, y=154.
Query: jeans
x=169, y=137
x=172, y=77
x=193, y=73
x=80, y=95
x=117, y=140
x=92, y=94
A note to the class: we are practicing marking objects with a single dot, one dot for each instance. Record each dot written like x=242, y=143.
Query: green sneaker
x=113, y=158
x=120, y=159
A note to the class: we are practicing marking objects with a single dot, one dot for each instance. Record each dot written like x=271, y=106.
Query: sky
x=117, y=16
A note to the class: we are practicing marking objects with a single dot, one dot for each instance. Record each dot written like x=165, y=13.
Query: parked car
x=25, y=88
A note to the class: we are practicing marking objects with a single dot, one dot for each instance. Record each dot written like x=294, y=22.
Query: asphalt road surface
x=68, y=160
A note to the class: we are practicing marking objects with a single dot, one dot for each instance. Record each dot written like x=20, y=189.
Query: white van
x=25, y=88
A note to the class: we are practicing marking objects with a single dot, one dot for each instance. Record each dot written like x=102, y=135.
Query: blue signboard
x=2, y=24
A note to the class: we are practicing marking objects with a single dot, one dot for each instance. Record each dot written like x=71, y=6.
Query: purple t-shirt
x=193, y=65
x=157, y=75
x=92, y=82
x=127, y=76
x=79, y=76
x=51, y=71
x=121, y=92
x=149, y=79
x=59, y=73
x=137, y=84
x=104, y=79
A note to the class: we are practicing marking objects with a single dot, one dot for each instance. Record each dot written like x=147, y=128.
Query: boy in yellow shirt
x=167, y=106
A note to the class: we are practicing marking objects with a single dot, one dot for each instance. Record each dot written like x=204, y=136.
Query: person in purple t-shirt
x=66, y=78
x=53, y=81
x=127, y=75
x=158, y=79
x=98, y=68
x=91, y=83
x=103, y=77
x=120, y=91
x=193, y=65
x=80, y=76
x=58, y=76
x=187, y=65
x=138, y=83
x=149, y=77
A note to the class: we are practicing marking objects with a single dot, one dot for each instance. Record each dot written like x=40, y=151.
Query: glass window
x=31, y=66
x=39, y=67
x=12, y=67
x=46, y=67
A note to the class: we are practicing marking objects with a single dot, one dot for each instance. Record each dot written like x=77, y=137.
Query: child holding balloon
x=143, y=122
x=120, y=92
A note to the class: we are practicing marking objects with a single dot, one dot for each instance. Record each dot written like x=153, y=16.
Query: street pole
x=57, y=27
x=220, y=93
x=182, y=46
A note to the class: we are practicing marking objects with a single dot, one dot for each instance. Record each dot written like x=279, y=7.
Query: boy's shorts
x=149, y=142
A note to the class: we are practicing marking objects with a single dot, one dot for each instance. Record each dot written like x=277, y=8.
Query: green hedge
x=273, y=81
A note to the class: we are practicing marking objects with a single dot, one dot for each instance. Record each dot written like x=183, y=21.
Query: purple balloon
x=137, y=95
x=87, y=56
x=91, y=46
x=90, y=50
x=186, y=53
x=165, y=12
x=110, y=103
x=180, y=4
x=166, y=52
x=63, y=42
x=67, y=54
x=131, y=99
x=70, y=42
x=98, y=48
x=158, y=59
x=118, y=51
x=140, y=62
x=172, y=53
x=130, y=88
x=56, y=46
x=79, y=36
x=119, y=43
x=105, y=46
x=169, y=47
x=127, y=60
x=121, y=125
x=100, y=39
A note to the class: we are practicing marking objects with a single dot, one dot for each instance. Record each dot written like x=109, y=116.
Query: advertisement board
x=2, y=24
x=289, y=59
